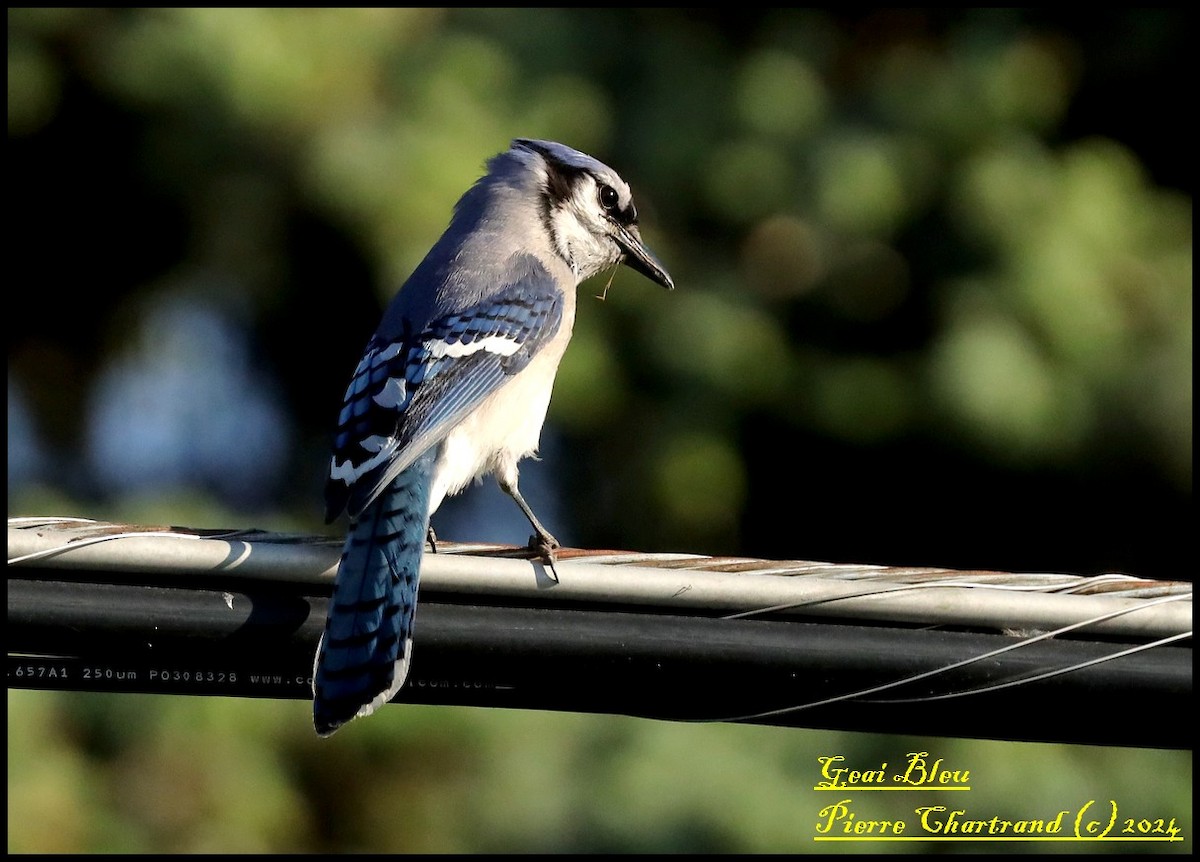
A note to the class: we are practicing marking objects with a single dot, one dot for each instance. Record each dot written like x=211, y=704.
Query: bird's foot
x=431, y=537
x=544, y=547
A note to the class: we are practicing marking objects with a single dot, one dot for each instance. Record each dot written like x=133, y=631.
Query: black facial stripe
x=626, y=217
x=561, y=180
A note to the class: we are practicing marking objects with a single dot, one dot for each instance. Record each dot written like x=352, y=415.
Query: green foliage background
x=934, y=307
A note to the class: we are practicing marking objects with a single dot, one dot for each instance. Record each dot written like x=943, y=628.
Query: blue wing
x=411, y=389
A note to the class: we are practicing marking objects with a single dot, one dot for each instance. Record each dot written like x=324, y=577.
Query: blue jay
x=454, y=386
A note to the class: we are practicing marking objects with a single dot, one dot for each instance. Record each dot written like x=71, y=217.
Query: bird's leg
x=431, y=537
x=541, y=542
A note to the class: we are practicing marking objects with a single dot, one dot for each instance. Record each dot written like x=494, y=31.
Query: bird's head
x=588, y=211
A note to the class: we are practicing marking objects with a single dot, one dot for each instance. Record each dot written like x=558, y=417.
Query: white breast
x=506, y=426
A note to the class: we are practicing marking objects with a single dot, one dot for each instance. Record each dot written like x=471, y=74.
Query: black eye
x=609, y=198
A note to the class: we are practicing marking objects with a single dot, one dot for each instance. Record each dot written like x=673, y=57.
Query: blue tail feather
x=364, y=654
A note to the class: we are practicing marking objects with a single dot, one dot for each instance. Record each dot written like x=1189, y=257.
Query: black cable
x=257, y=639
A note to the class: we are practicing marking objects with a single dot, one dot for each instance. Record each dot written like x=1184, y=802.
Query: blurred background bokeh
x=934, y=307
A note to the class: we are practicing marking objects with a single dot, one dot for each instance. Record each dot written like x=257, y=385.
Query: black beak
x=638, y=257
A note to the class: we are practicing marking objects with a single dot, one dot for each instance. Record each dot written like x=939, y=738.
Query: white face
x=582, y=231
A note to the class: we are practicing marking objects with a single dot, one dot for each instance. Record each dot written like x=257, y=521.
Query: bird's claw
x=544, y=548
